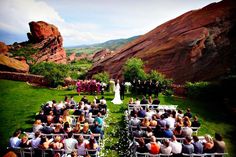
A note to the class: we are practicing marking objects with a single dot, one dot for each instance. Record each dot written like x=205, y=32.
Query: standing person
x=122, y=90
x=133, y=89
x=117, y=99
x=156, y=89
x=102, y=86
x=79, y=85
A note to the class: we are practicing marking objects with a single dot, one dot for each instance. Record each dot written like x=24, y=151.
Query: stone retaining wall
x=38, y=79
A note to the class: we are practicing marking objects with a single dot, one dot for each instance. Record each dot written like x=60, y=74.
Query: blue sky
x=90, y=21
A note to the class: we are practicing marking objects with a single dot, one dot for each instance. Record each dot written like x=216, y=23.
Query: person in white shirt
x=135, y=121
x=186, y=131
x=36, y=140
x=171, y=121
x=165, y=147
x=175, y=145
x=81, y=146
x=70, y=143
x=60, y=106
x=15, y=140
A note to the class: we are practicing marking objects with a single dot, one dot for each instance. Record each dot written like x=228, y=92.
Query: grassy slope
x=20, y=102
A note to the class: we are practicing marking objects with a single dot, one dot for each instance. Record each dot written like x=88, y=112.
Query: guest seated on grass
x=153, y=146
x=15, y=140
x=208, y=144
x=219, y=144
x=25, y=142
x=187, y=146
x=165, y=147
x=198, y=147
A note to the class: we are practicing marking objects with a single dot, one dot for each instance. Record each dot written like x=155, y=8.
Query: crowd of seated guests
x=56, y=119
x=147, y=124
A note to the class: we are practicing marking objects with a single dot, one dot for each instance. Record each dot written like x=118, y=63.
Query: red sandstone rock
x=3, y=48
x=100, y=55
x=198, y=45
x=11, y=64
x=72, y=57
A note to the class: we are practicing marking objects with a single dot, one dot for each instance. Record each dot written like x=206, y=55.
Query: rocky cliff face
x=198, y=45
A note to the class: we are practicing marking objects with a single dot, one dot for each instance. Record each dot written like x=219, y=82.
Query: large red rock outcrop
x=11, y=64
x=3, y=48
x=100, y=55
x=198, y=45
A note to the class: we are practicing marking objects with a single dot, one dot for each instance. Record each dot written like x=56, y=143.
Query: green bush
x=54, y=73
x=203, y=90
x=103, y=77
x=133, y=69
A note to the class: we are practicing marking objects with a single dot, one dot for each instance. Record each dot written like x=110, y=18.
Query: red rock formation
x=100, y=55
x=84, y=56
x=11, y=64
x=198, y=45
x=72, y=57
x=3, y=48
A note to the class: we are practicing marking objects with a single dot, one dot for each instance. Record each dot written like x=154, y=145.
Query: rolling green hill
x=110, y=44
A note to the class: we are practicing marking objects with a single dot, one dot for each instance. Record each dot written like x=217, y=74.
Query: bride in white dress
x=117, y=99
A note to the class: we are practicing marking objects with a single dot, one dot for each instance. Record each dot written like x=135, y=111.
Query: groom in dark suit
x=122, y=90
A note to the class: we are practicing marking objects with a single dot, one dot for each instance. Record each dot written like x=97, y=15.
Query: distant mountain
x=110, y=44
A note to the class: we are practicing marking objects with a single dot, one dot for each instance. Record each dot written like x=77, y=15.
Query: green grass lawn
x=20, y=102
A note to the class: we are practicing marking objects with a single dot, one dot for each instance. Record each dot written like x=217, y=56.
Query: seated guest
x=99, y=119
x=180, y=113
x=70, y=143
x=66, y=117
x=153, y=122
x=141, y=113
x=148, y=132
x=178, y=131
x=103, y=108
x=41, y=117
x=57, y=143
x=77, y=128
x=50, y=117
x=150, y=100
x=144, y=100
x=85, y=129
x=135, y=121
x=208, y=144
x=96, y=100
x=141, y=147
x=149, y=113
x=95, y=110
x=198, y=147
x=167, y=132
x=102, y=100
x=25, y=142
x=67, y=127
x=170, y=121
x=15, y=140
x=81, y=146
x=186, y=130
x=187, y=146
x=81, y=118
x=90, y=118
x=131, y=101
x=176, y=146
x=137, y=103
x=84, y=99
x=179, y=121
x=72, y=101
x=58, y=129
x=37, y=126
x=165, y=147
x=158, y=132
x=138, y=132
x=162, y=121
x=219, y=144
x=133, y=112
x=36, y=140
x=156, y=101
x=195, y=122
x=153, y=146
x=145, y=122
x=187, y=119
x=44, y=143
x=96, y=129
x=188, y=113
x=92, y=144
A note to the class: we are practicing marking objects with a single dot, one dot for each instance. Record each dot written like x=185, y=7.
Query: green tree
x=103, y=77
x=133, y=69
x=54, y=73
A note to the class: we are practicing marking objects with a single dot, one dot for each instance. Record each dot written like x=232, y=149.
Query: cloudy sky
x=90, y=21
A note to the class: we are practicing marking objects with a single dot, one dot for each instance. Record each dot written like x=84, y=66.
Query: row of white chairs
x=31, y=152
x=137, y=154
x=153, y=106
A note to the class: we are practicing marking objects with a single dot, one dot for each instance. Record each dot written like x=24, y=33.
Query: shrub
x=54, y=73
x=133, y=69
x=103, y=77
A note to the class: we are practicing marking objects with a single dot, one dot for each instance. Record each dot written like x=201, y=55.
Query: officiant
x=122, y=90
